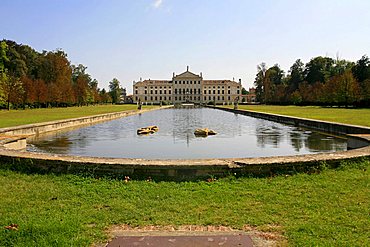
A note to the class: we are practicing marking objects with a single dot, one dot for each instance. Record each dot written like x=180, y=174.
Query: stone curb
x=177, y=169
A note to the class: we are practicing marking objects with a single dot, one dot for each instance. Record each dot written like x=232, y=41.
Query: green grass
x=340, y=115
x=20, y=117
x=330, y=208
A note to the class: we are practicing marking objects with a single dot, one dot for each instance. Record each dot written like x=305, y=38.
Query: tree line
x=29, y=78
x=321, y=81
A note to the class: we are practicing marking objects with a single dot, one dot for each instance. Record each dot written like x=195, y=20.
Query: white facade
x=187, y=87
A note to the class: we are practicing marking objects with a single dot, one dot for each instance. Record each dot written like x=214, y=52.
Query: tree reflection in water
x=238, y=136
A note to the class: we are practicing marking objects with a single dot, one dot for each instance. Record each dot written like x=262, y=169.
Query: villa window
x=136, y=92
x=205, y=91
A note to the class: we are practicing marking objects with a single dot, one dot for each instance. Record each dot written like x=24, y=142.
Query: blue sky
x=221, y=38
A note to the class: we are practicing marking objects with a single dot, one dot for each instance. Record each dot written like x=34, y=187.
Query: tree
x=28, y=91
x=3, y=60
x=3, y=57
x=56, y=71
x=12, y=90
x=40, y=92
x=340, y=66
x=341, y=90
x=319, y=69
x=348, y=90
x=94, y=91
x=259, y=82
x=361, y=70
x=115, y=90
x=81, y=81
x=296, y=98
x=105, y=97
x=295, y=75
x=272, y=81
x=15, y=65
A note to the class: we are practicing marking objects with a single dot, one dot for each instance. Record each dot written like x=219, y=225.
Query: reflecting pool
x=238, y=136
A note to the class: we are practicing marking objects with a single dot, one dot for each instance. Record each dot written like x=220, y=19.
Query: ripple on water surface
x=238, y=136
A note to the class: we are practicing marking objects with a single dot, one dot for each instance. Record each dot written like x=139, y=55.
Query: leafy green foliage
x=115, y=90
x=322, y=81
x=47, y=78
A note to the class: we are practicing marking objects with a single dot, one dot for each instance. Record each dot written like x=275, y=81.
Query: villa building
x=187, y=87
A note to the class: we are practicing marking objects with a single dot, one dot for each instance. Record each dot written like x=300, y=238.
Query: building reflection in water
x=238, y=136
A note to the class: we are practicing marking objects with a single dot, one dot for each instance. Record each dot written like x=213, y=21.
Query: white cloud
x=157, y=3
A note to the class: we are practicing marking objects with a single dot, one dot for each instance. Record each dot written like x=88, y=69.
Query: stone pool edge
x=179, y=169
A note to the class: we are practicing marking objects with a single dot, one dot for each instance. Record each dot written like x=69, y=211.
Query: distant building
x=129, y=99
x=187, y=87
x=251, y=97
x=124, y=98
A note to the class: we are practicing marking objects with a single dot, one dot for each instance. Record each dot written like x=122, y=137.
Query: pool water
x=238, y=136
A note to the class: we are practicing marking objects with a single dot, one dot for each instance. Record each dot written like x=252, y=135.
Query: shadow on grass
x=28, y=166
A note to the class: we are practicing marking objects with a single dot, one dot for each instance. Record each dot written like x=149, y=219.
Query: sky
x=223, y=39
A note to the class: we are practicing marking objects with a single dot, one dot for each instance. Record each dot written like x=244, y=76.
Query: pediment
x=187, y=74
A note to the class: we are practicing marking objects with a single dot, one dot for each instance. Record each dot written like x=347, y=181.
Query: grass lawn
x=340, y=115
x=20, y=117
x=330, y=208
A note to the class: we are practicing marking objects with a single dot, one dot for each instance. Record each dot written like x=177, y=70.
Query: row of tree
x=321, y=81
x=32, y=79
